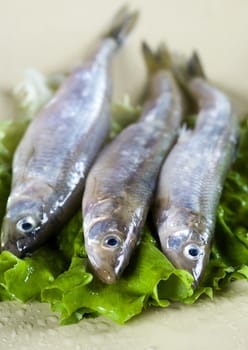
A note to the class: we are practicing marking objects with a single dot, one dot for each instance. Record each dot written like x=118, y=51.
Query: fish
x=192, y=176
x=52, y=160
x=121, y=183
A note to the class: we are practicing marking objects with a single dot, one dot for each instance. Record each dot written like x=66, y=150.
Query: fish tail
x=184, y=134
x=122, y=24
x=184, y=71
x=187, y=70
x=156, y=60
x=194, y=67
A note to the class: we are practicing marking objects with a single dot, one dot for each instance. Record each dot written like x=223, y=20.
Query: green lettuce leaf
x=58, y=273
x=76, y=292
x=123, y=114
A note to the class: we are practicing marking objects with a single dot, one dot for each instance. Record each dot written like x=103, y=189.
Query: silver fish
x=192, y=177
x=121, y=183
x=51, y=163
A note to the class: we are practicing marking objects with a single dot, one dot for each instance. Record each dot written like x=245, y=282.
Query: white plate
x=52, y=36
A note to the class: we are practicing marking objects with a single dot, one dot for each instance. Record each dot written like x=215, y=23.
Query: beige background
x=54, y=35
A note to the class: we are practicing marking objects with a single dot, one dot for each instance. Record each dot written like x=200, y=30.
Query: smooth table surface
x=53, y=36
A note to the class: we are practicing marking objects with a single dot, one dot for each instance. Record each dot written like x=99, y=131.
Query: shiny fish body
x=121, y=183
x=191, y=181
x=52, y=161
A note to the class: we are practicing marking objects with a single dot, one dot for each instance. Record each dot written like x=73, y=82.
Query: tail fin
x=122, y=24
x=187, y=70
x=156, y=60
x=195, y=68
x=184, y=71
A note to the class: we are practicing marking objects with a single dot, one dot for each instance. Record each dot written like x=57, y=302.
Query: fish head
x=108, y=249
x=21, y=225
x=187, y=248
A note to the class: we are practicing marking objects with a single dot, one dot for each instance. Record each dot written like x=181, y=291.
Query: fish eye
x=112, y=241
x=192, y=251
x=26, y=225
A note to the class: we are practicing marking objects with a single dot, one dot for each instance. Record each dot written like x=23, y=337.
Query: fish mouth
x=12, y=247
x=107, y=276
x=19, y=246
x=196, y=266
x=107, y=273
x=198, y=270
x=197, y=273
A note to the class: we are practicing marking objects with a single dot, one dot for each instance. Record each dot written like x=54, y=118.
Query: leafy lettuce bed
x=58, y=273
